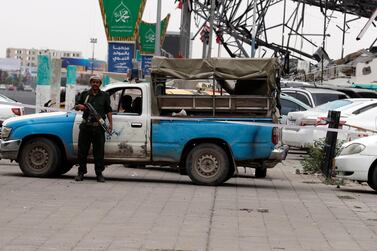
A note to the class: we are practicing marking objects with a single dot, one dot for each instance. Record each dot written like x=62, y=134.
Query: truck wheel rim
x=38, y=158
x=207, y=165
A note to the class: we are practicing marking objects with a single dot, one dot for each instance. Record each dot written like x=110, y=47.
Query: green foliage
x=312, y=163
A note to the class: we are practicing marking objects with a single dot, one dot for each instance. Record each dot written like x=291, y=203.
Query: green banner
x=71, y=75
x=122, y=18
x=147, y=35
x=44, y=73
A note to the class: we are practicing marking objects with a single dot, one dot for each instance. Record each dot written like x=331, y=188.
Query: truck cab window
x=127, y=100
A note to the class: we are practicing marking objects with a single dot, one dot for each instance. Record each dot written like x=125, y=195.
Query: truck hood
x=45, y=118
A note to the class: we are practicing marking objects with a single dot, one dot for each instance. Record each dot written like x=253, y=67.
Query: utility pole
x=211, y=28
x=185, y=30
x=157, y=48
x=254, y=32
x=344, y=32
x=324, y=39
x=93, y=41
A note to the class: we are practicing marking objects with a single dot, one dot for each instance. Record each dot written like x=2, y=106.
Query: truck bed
x=232, y=105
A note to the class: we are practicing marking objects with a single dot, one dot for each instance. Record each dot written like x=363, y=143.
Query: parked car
x=291, y=83
x=11, y=88
x=317, y=117
x=28, y=88
x=10, y=109
x=291, y=104
x=314, y=96
x=353, y=92
x=357, y=161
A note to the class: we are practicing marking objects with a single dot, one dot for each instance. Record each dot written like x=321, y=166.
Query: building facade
x=29, y=57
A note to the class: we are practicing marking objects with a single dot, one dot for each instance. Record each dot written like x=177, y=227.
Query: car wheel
x=207, y=164
x=40, y=157
x=372, y=180
x=260, y=172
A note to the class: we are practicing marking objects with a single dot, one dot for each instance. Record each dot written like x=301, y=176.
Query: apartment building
x=29, y=57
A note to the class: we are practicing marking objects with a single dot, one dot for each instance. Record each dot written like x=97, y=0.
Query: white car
x=357, y=160
x=317, y=117
x=314, y=96
x=9, y=108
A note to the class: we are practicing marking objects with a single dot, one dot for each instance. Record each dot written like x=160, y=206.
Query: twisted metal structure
x=233, y=23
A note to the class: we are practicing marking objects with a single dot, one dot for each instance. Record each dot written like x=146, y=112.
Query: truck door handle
x=136, y=124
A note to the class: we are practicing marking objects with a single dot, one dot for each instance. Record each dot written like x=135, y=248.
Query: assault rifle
x=98, y=118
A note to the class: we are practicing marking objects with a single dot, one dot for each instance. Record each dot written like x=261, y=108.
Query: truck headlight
x=353, y=148
x=5, y=132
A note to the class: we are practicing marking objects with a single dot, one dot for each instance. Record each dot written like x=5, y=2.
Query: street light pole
x=211, y=20
x=157, y=49
x=93, y=41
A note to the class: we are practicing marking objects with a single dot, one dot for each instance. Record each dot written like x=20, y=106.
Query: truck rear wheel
x=40, y=157
x=207, y=164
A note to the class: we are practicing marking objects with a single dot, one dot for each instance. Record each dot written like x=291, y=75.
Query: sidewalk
x=153, y=209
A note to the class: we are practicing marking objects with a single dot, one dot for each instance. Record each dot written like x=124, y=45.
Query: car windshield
x=322, y=98
x=332, y=105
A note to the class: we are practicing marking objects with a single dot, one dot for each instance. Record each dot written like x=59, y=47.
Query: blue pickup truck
x=215, y=135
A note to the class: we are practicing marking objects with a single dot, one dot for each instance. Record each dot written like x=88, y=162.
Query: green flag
x=147, y=35
x=122, y=18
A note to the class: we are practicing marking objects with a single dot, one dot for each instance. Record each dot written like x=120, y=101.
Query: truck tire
x=40, y=157
x=207, y=164
x=260, y=172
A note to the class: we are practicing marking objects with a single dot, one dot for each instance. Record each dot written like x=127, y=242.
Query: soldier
x=91, y=132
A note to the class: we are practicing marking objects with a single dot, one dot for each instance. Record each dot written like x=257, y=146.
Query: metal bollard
x=330, y=143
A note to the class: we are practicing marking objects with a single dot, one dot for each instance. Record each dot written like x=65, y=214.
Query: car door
x=130, y=139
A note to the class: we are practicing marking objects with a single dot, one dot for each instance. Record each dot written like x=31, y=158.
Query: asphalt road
x=158, y=209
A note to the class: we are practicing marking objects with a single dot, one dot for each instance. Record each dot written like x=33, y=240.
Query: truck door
x=130, y=138
x=131, y=129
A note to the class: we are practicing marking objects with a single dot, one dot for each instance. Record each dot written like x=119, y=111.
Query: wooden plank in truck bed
x=221, y=103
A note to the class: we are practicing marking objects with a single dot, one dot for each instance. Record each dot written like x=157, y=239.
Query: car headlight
x=5, y=132
x=353, y=148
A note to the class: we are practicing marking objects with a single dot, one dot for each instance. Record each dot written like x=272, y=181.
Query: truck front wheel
x=207, y=164
x=40, y=157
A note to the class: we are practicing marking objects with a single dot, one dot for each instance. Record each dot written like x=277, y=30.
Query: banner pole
x=157, y=50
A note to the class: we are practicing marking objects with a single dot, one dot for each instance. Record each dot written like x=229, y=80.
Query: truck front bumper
x=9, y=149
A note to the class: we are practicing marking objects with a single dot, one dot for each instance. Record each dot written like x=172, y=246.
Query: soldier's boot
x=100, y=177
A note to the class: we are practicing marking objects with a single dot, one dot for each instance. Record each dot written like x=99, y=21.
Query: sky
x=69, y=25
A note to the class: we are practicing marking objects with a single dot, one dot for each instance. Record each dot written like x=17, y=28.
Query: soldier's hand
x=80, y=107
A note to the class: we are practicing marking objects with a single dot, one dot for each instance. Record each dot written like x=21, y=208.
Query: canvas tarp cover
x=227, y=69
